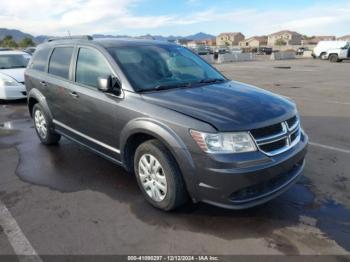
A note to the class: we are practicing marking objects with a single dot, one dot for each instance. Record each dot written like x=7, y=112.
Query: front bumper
x=246, y=180
x=13, y=92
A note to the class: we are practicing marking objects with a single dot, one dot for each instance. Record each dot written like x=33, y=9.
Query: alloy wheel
x=152, y=177
x=40, y=124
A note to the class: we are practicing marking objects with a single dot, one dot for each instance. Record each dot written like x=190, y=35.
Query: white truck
x=323, y=47
x=339, y=54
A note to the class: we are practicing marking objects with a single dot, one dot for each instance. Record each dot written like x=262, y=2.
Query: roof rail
x=73, y=37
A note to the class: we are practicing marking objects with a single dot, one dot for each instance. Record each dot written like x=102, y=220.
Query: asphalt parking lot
x=66, y=200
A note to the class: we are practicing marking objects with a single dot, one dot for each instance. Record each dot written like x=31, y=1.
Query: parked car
x=262, y=50
x=221, y=50
x=300, y=50
x=321, y=49
x=29, y=50
x=5, y=49
x=12, y=66
x=202, y=50
x=168, y=117
x=339, y=54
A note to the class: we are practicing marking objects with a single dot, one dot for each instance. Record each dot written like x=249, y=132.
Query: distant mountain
x=200, y=36
x=109, y=36
x=19, y=35
x=16, y=34
x=41, y=38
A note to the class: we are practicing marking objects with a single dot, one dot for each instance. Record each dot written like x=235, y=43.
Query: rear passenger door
x=59, y=88
x=94, y=111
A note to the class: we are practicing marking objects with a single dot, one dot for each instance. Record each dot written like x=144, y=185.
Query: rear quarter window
x=60, y=61
x=40, y=58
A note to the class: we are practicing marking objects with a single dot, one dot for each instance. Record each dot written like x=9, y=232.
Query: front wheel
x=158, y=176
x=43, y=127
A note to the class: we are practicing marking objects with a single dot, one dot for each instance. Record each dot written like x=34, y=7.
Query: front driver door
x=95, y=112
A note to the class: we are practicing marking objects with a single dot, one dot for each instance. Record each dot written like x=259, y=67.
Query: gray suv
x=169, y=118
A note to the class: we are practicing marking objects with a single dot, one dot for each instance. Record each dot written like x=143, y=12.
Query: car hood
x=229, y=106
x=15, y=73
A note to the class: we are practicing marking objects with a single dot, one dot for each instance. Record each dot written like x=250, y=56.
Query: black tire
x=176, y=194
x=51, y=137
x=333, y=58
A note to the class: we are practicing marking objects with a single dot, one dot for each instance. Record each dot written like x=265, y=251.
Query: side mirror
x=104, y=84
x=109, y=84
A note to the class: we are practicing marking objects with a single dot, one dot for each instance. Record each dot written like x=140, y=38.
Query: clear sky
x=176, y=17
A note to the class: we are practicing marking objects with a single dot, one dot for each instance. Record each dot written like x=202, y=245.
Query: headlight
x=237, y=142
x=7, y=81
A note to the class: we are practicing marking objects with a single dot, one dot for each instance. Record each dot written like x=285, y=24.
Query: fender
x=167, y=136
x=37, y=95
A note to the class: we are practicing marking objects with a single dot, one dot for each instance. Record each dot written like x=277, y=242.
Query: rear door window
x=60, y=61
x=91, y=65
x=39, y=60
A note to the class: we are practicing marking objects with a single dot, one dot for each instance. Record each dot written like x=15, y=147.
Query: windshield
x=13, y=61
x=154, y=67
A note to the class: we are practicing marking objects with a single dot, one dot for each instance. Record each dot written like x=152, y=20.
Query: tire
x=168, y=175
x=333, y=58
x=41, y=123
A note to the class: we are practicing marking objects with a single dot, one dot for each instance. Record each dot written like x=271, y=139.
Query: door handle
x=74, y=94
x=43, y=83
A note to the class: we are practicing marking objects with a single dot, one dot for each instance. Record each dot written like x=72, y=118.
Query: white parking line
x=330, y=147
x=17, y=239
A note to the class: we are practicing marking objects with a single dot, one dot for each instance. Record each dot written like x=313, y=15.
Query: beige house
x=344, y=38
x=229, y=39
x=289, y=37
x=254, y=42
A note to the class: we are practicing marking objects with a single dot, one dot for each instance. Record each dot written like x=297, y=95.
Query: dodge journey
x=183, y=129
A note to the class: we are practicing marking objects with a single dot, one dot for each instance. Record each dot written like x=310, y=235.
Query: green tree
x=26, y=42
x=9, y=42
x=280, y=42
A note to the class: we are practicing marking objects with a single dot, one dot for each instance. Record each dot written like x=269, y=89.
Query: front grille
x=274, y=145
x=277, y=138
x=292, y=121
x=266, y=131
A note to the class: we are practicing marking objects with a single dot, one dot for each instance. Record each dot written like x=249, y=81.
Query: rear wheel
x=43, y=126
x=323, y=56
x=333, y=58
x=158, y=176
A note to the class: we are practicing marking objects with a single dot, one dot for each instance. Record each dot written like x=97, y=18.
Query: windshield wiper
x=165, y=87
x=11, y=67
x=181, y=85
x=17, y=67
x=211, y=80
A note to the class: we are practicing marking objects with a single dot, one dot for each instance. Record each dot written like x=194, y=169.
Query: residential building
x=289, y=37
x=229, y=39
x=315, y=39
x=254, y=42
x=344, y=38
x=210, y=42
